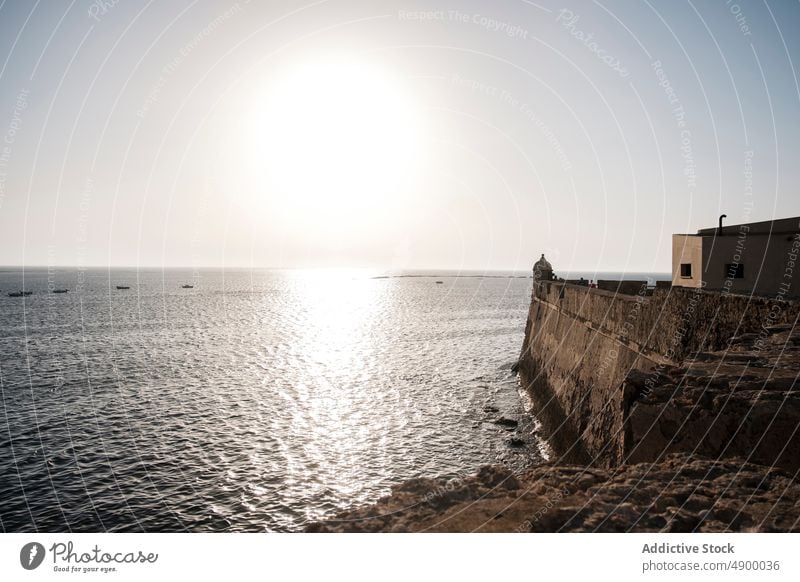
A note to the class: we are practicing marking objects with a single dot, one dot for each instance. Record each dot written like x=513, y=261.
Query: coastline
x=678, y=494
x=688, y=426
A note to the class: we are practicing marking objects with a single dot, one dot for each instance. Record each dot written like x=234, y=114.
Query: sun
x=333, y=137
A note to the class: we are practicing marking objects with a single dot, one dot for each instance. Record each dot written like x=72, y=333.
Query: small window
x=686, y=270
x=734, y=271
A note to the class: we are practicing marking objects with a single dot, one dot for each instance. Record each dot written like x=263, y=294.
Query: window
x=686, y=270
x=734, y=271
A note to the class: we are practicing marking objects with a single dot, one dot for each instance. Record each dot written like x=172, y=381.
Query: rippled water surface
x=256, y=401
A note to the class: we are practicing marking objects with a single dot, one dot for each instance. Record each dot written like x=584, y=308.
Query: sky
x=390, y=135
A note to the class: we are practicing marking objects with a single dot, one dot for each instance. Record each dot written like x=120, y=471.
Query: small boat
x=187, y=286
x=26, y=293
x=15, y=294
x=439, y=282
x=122, y=287
x=60, y=290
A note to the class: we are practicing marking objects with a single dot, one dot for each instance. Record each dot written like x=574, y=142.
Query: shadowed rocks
x=740, y=402
x=681, y=493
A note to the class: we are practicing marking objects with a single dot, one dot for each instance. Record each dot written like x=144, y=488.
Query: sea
x=250, y=400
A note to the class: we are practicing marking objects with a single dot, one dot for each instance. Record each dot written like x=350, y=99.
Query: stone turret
x=542, y=270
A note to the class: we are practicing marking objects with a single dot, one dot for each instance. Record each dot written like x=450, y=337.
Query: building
x=542, y=270
x=758, y=258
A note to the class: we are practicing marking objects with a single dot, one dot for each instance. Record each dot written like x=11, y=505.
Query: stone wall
x=625, y=287
x=581, y=345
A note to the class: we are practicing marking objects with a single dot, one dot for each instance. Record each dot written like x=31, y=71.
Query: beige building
x=758, y=257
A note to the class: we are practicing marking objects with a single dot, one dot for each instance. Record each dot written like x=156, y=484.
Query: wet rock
x=506, y=422
x=516, y=442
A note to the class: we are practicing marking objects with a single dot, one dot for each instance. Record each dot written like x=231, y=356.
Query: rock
x=727, y=403
x=516, y=442
x=680, y=493
x=493, y=476
x=698, y=436
x=507, y=422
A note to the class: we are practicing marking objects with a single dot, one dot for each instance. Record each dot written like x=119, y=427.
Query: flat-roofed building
x=757, y=257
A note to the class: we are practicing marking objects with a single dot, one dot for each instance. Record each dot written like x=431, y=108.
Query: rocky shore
x=697, y=430
x=681, y=493
x=739, y=402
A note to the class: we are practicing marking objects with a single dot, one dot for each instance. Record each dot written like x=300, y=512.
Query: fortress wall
x=581, y=344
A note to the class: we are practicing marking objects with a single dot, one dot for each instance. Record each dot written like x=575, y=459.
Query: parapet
x=624, y=287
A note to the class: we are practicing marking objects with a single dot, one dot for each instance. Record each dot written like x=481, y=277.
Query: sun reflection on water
x=341, y=306
x=333, y=401
x=261, y=401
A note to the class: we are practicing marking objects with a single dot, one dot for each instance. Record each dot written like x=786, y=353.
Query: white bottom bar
x=401, y=556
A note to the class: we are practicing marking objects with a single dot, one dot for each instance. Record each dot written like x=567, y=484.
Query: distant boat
x=20, y=293
x=439, y=282
x=122, y=287
x=60, y=290
x=187, y=286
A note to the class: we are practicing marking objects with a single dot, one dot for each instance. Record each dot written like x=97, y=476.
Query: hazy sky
x=428, y=134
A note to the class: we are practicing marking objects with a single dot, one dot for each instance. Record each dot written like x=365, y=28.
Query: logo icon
x=31, y=555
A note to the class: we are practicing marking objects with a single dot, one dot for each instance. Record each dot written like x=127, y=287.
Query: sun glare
x=334, y=139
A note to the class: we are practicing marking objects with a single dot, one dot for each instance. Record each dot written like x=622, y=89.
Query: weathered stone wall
x=581, y=344
x=625, y=287
x=682, y=322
